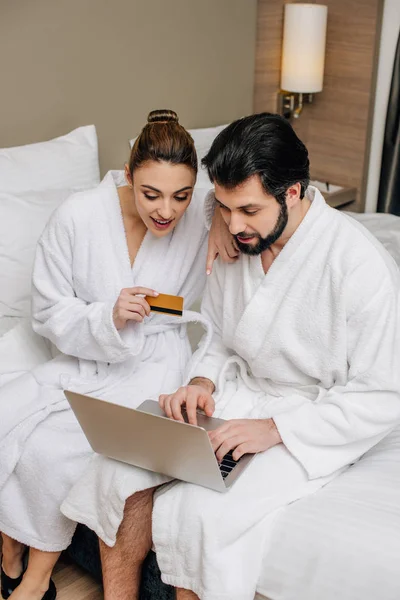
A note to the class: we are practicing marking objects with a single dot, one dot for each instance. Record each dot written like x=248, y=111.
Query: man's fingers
x=206, y=403
x=191, y=406
x=228, y=445
x=172, y=404
x=167, y=407
x=161, y=400
x=240, y=450
x=176, y=408
x=218, y=435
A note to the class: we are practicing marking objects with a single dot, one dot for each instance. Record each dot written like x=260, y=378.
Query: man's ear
x=293, y=195
x=128, y=175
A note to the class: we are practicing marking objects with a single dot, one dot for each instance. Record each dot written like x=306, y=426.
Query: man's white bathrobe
x=315, y=344
x=82, y=263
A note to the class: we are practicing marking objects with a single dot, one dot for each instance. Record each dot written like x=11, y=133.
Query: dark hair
x=163, y=139
x=264, y=145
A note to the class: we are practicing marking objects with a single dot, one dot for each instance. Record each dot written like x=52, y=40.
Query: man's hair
x=265, y=145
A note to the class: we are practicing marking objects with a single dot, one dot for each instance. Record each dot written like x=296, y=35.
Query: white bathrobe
x=82, y=263
x=315, y=344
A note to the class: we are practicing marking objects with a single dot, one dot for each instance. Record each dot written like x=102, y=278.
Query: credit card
x=164, y=303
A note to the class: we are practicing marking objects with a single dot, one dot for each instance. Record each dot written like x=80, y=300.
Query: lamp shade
x=303, y=52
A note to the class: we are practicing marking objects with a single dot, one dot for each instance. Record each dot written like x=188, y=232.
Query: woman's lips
x=161, y=225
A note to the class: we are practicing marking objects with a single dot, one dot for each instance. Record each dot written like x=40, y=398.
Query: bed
x=342, y=542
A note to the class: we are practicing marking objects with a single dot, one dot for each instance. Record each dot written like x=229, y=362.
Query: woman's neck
x=128, y=206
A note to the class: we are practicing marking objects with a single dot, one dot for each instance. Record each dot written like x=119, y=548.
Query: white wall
x=390, y=32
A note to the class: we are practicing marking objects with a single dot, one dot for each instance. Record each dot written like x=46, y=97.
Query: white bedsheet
x=8, y=323
x=384, y=227
x=21, y=349
x=344, y=541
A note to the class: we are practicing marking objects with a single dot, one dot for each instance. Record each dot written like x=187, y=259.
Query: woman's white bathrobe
x=82, y=263
x=314, y=343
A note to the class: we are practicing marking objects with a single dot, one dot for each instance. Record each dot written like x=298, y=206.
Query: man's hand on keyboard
x=244, y=436
x=191, y=397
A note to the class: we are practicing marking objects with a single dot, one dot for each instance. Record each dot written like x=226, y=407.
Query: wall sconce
x=303, y=56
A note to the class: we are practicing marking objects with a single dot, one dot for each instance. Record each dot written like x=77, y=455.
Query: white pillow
x=67, y=162
x=203, y=139
x=22, y=220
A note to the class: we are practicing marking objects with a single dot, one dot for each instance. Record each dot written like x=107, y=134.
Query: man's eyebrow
x=150, y=187
x=245, y=206
x=219, y=202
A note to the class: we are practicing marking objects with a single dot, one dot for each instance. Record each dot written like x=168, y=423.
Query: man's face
x=254, y=218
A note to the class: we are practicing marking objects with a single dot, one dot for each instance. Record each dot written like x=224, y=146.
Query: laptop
x=145, y=437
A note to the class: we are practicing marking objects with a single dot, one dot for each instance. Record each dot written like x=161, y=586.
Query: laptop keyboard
x=228, y=464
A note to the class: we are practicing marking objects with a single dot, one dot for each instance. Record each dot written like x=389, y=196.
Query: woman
x=138, y=233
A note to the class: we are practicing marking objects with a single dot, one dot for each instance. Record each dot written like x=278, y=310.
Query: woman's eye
x=150, y=197
x=181, y=198
x=246, y=212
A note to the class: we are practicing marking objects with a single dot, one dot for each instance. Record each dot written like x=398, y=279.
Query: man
x=303, y=365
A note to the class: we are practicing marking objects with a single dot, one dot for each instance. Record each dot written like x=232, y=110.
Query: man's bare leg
x=182, y=594
x=122, y=564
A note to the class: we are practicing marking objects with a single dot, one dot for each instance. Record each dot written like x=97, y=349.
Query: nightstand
x=336, y=196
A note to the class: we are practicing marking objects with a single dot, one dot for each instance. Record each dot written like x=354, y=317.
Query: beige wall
x=65, y=63
x=336, y=126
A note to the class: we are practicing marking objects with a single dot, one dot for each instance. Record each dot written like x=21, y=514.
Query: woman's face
x=162, y=192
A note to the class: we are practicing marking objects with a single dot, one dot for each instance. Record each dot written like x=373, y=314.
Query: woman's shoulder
x=81, y=206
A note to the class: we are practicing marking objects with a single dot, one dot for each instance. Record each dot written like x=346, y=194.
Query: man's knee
x=139, y=502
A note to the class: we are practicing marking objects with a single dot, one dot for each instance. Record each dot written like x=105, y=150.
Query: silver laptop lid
x=150, y=441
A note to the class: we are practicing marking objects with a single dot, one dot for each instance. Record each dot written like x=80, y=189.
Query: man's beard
x=265, y=243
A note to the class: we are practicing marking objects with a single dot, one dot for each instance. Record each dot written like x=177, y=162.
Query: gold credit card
x=164, y=303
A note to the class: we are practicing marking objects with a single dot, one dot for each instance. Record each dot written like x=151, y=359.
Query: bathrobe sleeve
x=217, y=353
x=77, y=328
x=209, y=208
x=350, y=419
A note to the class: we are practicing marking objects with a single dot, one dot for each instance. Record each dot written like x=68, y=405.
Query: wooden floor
x=74, y=584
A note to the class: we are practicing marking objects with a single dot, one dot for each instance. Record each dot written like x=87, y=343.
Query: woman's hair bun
x=168, y=142
x=162, y=116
